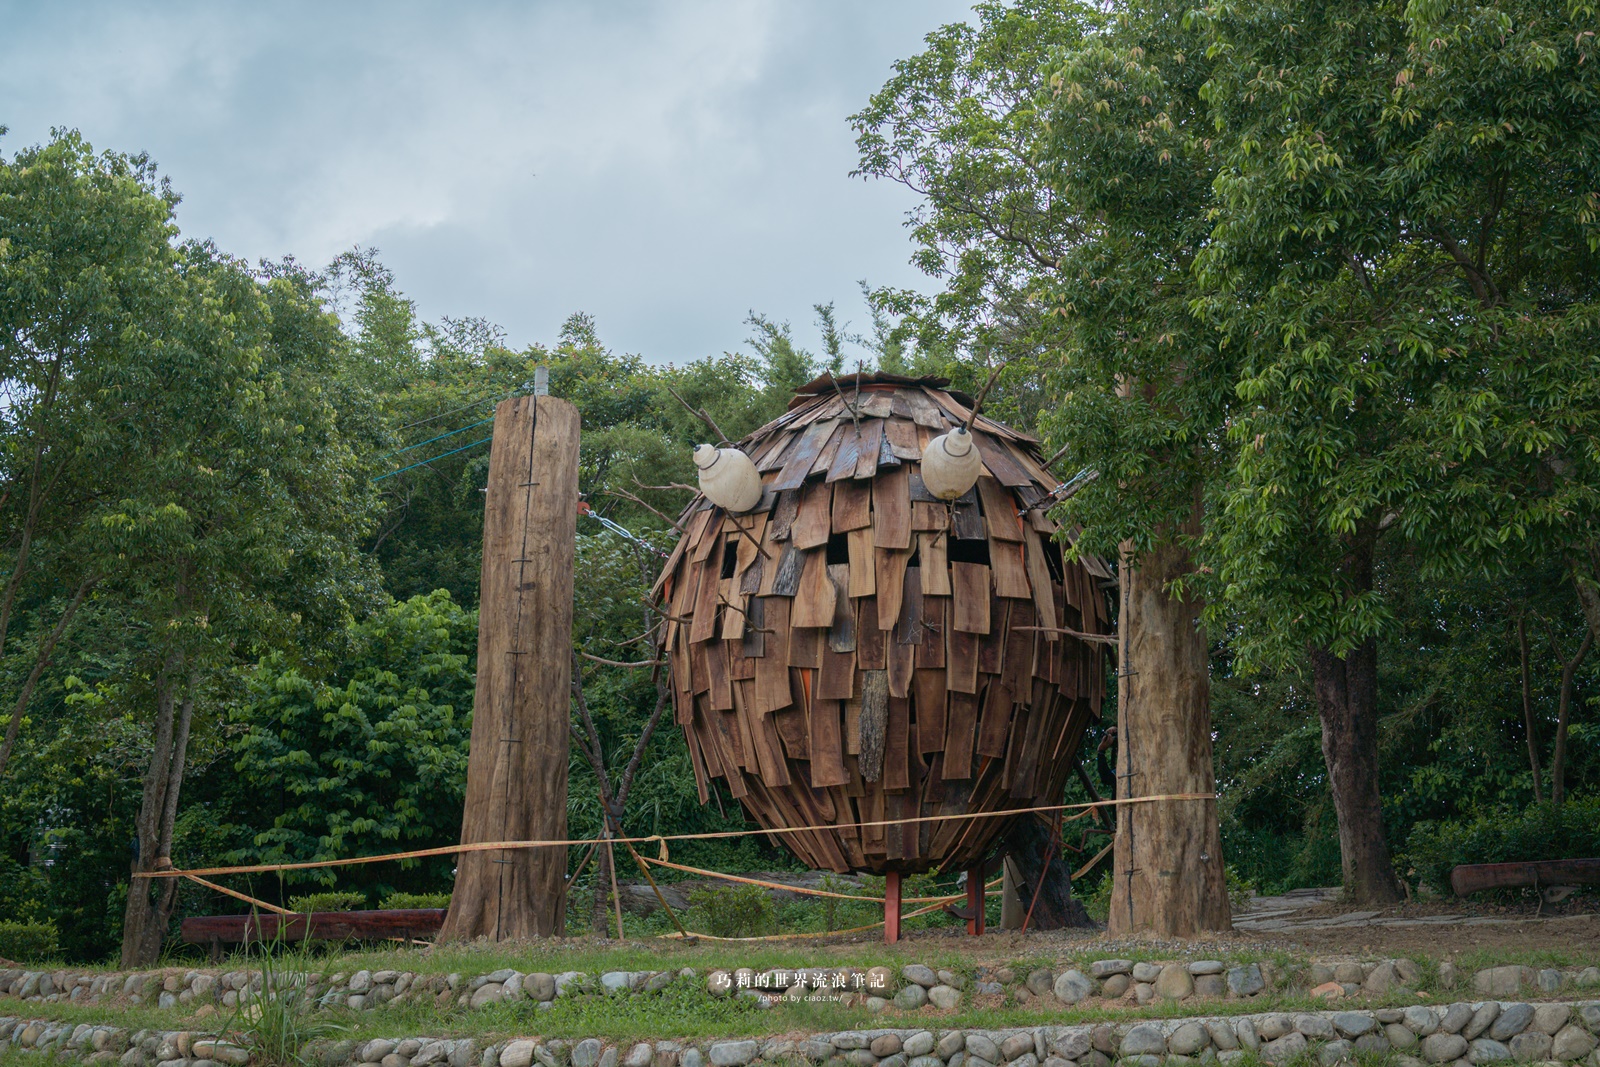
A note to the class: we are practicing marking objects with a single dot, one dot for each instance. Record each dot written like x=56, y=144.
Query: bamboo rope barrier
x=490, y=846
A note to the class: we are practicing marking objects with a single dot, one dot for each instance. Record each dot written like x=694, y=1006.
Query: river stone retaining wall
x=912, y=987
x=1462, y=1035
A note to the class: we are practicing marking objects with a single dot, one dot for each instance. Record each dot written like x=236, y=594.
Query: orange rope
x=806, y=890
x=241, y=896
x=492, y=846
x=1087, y=867
x=939, y=902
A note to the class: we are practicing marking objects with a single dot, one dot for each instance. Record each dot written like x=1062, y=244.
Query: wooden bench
x=401, y=924
x=1474, y=877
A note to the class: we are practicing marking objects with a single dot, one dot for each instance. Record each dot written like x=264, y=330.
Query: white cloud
x=663, y=166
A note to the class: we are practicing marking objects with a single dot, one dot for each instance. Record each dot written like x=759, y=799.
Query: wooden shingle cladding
x=854, y=650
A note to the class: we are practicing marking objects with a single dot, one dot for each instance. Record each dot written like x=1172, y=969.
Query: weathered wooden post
x=517, y=771
x=1168, y=857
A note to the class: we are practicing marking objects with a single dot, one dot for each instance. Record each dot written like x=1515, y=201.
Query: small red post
x=891, y=907
x=976, y=900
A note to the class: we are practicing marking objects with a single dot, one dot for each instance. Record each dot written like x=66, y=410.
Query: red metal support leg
x=891, y=907
x=976, y=900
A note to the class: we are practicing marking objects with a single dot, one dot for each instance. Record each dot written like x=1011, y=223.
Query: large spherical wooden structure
x=853, y=650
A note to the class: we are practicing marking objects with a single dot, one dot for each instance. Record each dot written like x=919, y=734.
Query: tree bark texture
x=1347, y=697
x=600, y=911
x=1558, y=757
x=151, y=900
x=1167, y=858
x=1527, y=708
x=517, y=769
x=1029, y=846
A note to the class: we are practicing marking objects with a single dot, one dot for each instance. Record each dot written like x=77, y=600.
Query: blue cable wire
x=425, y=462
x=441, y=437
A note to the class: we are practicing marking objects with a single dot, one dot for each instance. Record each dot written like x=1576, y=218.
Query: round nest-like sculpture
x=854, y=650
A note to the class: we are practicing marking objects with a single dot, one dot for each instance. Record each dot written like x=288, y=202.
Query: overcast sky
x=665, y=167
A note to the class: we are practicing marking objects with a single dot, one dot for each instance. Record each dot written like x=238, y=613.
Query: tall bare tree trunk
x=1168, y=867
x=517, y=769
x=151, y=900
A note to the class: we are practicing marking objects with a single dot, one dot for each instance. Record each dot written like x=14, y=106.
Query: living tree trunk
x=600, y=913
x=1527, y=708
x=1346, y=688
x=1167, y=858
x=517, y=767
x=1558, y=757
x=1347, y=691
x=151, y=900
x=1030, y=846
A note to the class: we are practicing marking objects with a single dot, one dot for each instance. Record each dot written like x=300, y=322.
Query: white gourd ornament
x=951, y=464
x=728, y=478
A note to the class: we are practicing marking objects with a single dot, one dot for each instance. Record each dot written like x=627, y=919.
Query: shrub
x=28, y=942
x=733, y=911
x=328, y=902
x=395, y=901
x=1539, y=832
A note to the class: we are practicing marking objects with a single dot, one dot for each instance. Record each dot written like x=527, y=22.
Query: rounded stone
x=1334, y=1052
x=983, y=1048
x=1222, y=1035
x=1442, y=1048
x=1420, y=1020
x=1482, y=1019
x=586, y=1053
x=945, y=998
x=1373, y=1044
x=1246, y=981
x=1513, y=1019
x=1353, y=1024
x=1146, y=972
x=918, y=1044
x=921, y=975
x=1188, y=1039
x=1550, y=1018
x=1039, y=982
x=729, y=1053
x=1502, y=981
x=1455, y=1018
x=1271, y=1027
x=1530, y=1047
x=1174, y=982
x=1572, y=1043
x=1314, y=1026
x=1284, y=1049
x=1401, y=1037
x=911, y=998
x=1487, y=1050
x=1115, y=986
x=885, y=1045
x=1144, y=1039
x=1107, y=968
x=1072, y=986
